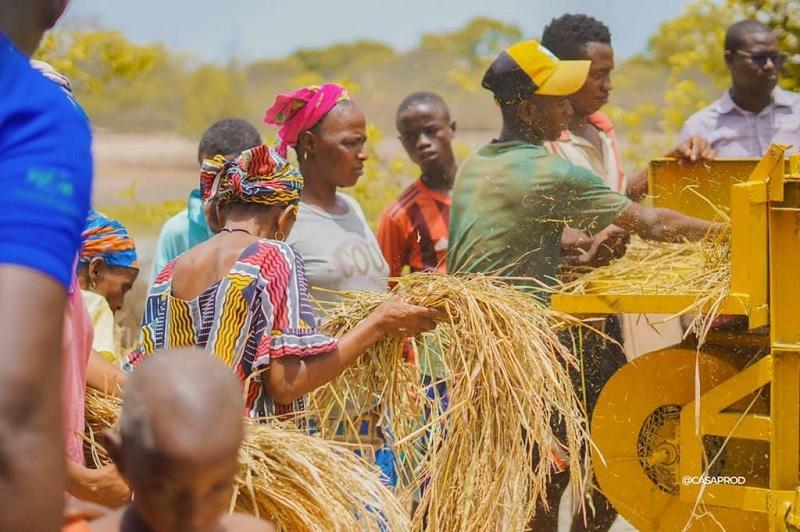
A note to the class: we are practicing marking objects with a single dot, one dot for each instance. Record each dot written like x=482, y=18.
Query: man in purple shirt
x=754, y=112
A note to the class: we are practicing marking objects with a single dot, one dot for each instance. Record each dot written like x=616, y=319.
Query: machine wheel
x=637, y=453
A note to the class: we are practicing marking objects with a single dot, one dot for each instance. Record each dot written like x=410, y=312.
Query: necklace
x=234, y=230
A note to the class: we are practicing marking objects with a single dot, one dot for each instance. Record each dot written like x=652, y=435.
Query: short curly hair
x=229, y=136
x=567, y=35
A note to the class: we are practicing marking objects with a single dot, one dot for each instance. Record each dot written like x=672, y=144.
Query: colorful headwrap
x=108, y=239
x=300, y=110
x=258, y=175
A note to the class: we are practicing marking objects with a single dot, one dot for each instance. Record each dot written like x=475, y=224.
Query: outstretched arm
x=292, y=377
x=664, y=225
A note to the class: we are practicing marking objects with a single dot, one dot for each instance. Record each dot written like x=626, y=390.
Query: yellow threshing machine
x=711, y=441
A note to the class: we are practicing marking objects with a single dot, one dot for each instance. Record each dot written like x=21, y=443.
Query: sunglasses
x=760, y=58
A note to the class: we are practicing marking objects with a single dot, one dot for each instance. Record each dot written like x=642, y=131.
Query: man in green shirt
x=512, y=199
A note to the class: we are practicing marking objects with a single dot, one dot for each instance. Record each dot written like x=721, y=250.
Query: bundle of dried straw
x=490, y=454
x=379, y=378
x=701, y=269
x=298, y=481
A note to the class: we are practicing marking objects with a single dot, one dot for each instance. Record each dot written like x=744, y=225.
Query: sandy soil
x=162, y=167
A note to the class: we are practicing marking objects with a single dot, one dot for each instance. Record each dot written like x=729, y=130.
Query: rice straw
x=490, y=455
x=300, y=482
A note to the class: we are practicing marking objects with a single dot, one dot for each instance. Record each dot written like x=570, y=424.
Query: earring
x=280, y=236
x=92, y=286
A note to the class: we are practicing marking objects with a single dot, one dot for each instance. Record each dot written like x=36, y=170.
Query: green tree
x=119, y=84
x=702, y=32
x=783, y=16
x=210, y=93
x=472, y=48
x=481, y=38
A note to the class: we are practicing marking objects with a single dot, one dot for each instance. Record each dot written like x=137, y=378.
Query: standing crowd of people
x=242, y=277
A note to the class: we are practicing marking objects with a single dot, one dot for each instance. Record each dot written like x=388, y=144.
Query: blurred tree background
x=148, y=91
x=684, y=70
x=129, y=87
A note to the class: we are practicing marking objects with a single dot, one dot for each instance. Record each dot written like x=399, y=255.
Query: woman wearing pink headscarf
x=327, y=131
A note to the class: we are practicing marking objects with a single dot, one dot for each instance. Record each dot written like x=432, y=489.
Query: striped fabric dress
x=258, y=312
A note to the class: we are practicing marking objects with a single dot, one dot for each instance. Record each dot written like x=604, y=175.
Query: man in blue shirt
x=45, y=188
x=198, y=222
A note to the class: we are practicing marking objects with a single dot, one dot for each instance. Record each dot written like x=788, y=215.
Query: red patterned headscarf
x=258, y=175
x=302, y=109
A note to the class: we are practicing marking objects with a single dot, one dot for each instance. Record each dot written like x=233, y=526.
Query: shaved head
x=174, y=397
x=180, y=431
x=421, y=98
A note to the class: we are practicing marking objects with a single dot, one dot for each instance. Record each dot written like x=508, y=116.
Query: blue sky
x=250, y=29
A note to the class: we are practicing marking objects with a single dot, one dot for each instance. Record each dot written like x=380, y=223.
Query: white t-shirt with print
x=340, y=251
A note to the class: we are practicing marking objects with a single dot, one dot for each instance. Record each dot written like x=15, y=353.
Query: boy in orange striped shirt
x=413, y=230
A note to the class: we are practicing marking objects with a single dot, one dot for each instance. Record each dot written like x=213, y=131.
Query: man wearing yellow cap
x=512, y=199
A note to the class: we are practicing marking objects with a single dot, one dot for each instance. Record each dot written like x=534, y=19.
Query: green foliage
x=693, y=41
x=128, y=86
x=144, y=217
x=472, y=47
x=480, y=38
x=210, y=93
x=702, y=32
x=113, y=78
x=783, y=16
x=700, y=47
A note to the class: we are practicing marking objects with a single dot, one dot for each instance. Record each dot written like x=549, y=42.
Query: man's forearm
x=673, y=226
x=31, y=437
x=664, y=225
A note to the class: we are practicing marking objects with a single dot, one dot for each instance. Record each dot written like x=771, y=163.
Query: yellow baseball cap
x=528, y=65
